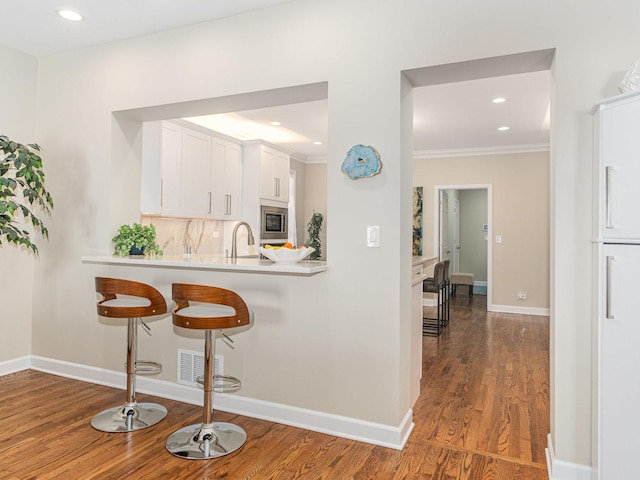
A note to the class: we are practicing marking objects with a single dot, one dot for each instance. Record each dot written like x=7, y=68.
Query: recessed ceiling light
x=70, y=15
x=317, y=143
x=275, y=124
x=503, y=129
x=499, y=100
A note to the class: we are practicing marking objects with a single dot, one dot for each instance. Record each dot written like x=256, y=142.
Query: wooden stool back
x=184, y=293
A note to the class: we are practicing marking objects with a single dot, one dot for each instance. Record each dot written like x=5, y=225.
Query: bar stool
x=133, y=300
x=447, y=290
x=436, y=284
x=215, y=309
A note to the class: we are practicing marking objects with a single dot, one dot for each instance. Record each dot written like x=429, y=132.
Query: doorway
x=463, y=235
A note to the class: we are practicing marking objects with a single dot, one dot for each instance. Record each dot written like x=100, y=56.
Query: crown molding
x=481, y=151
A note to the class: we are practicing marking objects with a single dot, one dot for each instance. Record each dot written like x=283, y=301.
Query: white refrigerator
x=616, y=368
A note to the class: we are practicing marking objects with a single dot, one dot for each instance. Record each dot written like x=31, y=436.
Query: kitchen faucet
x=250, y=239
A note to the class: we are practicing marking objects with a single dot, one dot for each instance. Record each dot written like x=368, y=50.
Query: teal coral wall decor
x=362, y=161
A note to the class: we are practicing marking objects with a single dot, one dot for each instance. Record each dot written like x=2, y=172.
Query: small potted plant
x=136, y=239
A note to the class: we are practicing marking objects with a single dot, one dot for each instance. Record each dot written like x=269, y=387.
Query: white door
x=455, y=262
x=444, y=225
x=619, y=387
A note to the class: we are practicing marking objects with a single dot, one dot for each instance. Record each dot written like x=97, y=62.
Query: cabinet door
x=195, y=184
x=274, y=175
x=226, y=180
x=281, y=174
x=233, y=180
x=620, y=169
x=267, y=178
x=171, y=164
x=619, y=358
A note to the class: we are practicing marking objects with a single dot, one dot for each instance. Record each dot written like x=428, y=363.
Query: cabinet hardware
x=607, y=175
x=608, y=314
x=227, y=207
x=209, y=194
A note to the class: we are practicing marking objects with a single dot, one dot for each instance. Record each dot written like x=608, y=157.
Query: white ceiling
x=34, y=27
x=453, y=116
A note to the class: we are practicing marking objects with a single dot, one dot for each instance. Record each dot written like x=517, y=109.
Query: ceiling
x=452, y=117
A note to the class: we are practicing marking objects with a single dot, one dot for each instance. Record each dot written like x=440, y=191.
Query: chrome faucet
x=250, y=239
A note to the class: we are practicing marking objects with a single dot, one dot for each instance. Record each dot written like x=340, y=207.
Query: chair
x=135, y=301
x=214, y=309
x=436, y=284
x=447, y=290
x=459, y=278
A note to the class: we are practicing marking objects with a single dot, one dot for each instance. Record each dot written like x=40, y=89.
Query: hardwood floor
x=483, y=414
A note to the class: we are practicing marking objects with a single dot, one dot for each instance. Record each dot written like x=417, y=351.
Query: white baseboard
x=560, y=470
x=337, y=425
x=544, y=312
x=15, y=365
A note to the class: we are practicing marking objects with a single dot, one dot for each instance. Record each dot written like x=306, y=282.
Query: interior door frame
x=436, y=228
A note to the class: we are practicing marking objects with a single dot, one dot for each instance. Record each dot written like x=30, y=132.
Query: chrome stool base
x=129, y=418
x=200, y=441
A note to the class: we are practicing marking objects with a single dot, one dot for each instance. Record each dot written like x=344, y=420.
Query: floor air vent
x=191, y=366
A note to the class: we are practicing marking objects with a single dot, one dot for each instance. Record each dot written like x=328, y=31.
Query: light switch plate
x=373, y=236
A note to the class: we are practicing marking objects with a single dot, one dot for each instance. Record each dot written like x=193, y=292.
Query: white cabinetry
x=171, y=166
x=619, y=169
x=265, y=180
x=616, y=262
x=190, y=173
x=274, y=175
x=226, y=180
x=195, y=178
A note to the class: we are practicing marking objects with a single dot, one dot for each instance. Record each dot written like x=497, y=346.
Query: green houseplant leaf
x=22, y=193
x=314, y=227
x=142, y=237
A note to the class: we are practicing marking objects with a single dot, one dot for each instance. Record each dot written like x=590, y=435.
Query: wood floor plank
x=483, y=414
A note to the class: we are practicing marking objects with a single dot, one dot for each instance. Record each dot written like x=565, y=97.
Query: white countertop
x=210, y=262
x=418, y=274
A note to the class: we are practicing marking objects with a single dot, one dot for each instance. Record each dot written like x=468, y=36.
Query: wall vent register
x=191, y=366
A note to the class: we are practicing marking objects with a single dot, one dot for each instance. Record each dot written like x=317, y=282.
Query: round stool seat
x=128, y=302
x=207, y=311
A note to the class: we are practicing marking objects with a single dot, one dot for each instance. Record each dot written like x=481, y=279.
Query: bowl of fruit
x=286, y=253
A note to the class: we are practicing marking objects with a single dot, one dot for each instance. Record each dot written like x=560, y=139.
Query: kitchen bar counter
x=210, y=262
x=419, y=270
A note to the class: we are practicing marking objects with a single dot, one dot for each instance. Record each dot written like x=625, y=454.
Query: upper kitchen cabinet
x=617, y=169
x=190, y=173
x=272, y=166
x=226, y=179
x=195, y=175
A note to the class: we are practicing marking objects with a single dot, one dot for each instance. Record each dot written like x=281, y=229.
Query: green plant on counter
x=21, y=188
x=314, y=227
x=136, y=239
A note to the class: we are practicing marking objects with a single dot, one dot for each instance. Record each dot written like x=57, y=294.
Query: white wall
x=358, y=332
x=17, y=121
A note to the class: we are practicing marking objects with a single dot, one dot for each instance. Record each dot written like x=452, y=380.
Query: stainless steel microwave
x=274, y=223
